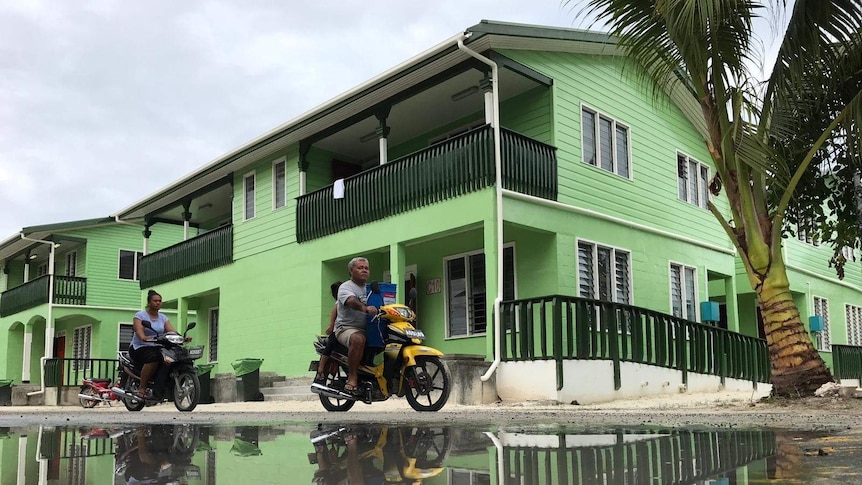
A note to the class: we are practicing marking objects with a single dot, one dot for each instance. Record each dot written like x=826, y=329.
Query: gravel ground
x=719, y=410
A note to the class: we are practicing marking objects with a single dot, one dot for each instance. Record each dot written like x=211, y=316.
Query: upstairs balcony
x=445, y=170
x=202, y=253
x=68, y=290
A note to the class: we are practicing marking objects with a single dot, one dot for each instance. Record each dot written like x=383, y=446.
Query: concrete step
x=292, y=397
x=294, y=381
x=291, y=389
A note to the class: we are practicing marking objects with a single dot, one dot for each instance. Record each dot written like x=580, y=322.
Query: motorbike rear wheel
x=187, y=390
x=129, y=386
x=88, y=403
x=427, y=384
x=336, y=377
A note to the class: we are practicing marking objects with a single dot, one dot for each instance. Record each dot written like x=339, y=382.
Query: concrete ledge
x=20, y=397
x=465, y=371
x=223, y=387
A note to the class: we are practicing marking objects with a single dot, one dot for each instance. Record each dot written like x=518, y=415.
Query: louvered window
x=605, y=143
x=81, y=345
x=279, y=186
x=822, y=339
x=603, y=273
x=213, y=336
x=692, y=181
x=853, y=315
x=466, y=295
x=128, y=264
x=248, y=200
x=127, y=330
x=683, y=291
x=72, y=263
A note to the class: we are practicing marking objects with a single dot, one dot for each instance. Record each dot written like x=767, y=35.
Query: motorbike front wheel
x=187, y=390
x=336, y=377
x=88, y=391
x=427, y=384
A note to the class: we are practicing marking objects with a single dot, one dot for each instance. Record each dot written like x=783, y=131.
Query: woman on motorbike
x=143, y=349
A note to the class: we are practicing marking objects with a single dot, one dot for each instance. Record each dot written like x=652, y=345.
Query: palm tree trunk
x=797, y=369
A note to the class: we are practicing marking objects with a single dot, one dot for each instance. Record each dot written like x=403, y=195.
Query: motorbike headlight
x=405, y=313
x=174, y=338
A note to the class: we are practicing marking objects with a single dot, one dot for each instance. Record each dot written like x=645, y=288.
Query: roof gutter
x=498, y=196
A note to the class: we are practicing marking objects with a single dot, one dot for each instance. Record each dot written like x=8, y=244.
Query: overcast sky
x=104, y=102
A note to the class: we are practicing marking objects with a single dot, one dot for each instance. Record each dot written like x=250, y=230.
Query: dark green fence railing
x=847, y=362
x=69, y=443
x=68, y=290
x=445, y=170
x=564, y=327
x=202, y=253
x=677, y=457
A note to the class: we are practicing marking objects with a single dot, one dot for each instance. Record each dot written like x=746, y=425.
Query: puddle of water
x=374, y=454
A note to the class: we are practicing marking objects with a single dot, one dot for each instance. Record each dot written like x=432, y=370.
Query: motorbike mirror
x=375, y=287
x=190, y=326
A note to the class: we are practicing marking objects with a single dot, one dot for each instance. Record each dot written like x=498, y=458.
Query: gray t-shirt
x=348, y=317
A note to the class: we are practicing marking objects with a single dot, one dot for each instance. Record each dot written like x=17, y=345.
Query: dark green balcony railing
x=847, y=362
x=565, y=327
x=445, y=170
x=202, y=253
x=68, y=290
x=674, y=457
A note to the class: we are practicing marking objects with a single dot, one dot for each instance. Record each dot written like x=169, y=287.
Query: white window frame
x=87, y=343
x=275, y=185
x=853, y=319
x=446, y=289
x=701, y=191
x=119, y=332
x=248, y=213
x=213, y=329
x=823, y=338
x=595, y=246
x=135, y=274
x=597, y=133
x=71, y=259
x=682, y=281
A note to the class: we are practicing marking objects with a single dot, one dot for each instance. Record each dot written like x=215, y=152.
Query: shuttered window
x=466, y=297
x=603, y=273
x=692, y=181
x=81, y=345
x=605, y=143
x=248, y=200
x=213, y=337
x=822, y=339
x=853, y=314
x=127, y=330
x=683, y=291
x=279, y=185
x=129, y=262
x=71, y=263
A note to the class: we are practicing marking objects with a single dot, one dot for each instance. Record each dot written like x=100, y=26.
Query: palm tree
x=783, y=150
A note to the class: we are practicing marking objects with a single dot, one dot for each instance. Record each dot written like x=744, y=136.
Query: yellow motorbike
x=407, y=368
x=406, y=455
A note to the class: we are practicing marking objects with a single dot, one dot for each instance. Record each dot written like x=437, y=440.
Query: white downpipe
x=498, y=192
x=49, y=319
x=498, y=445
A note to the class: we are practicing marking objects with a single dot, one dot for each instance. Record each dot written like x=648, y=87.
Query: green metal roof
x=539, y=32
x=62, y=226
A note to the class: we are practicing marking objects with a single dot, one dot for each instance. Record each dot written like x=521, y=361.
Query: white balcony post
x=146, y=233
x=187, y=217
x=487, y=88
x=383, y=134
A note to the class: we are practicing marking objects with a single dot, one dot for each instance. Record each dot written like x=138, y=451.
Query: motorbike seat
x=103, y=382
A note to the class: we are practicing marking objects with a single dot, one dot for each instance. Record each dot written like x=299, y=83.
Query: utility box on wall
x=709, y=311
x=815, y=323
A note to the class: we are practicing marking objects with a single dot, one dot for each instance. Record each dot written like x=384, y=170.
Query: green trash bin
x=248, y=379
x=203, y=371
x=5, y=392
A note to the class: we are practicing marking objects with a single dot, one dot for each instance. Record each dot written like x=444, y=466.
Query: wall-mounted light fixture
x=34, y=256
x=465, y=93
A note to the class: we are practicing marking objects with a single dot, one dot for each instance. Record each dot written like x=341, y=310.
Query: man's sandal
x=352, y=390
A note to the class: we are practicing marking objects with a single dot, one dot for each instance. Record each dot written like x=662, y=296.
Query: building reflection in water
x=191, y=454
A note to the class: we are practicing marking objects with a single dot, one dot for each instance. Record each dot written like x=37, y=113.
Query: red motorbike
x=94, y=391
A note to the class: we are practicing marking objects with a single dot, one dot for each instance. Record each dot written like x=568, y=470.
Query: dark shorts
x=145, y=355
